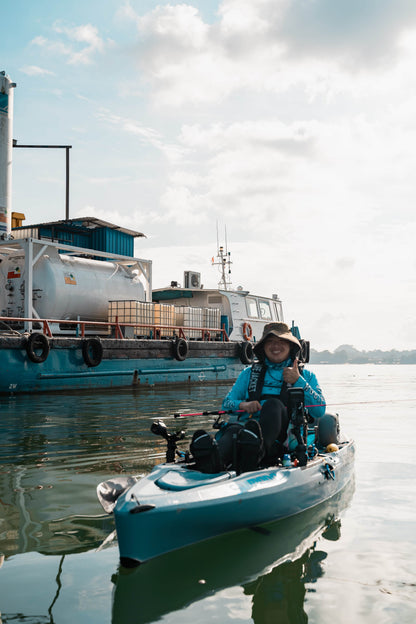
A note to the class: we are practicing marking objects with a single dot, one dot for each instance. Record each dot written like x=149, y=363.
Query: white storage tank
x=68, y=287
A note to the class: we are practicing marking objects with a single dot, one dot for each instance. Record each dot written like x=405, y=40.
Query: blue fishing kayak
x=249, y=558
x=175, y=505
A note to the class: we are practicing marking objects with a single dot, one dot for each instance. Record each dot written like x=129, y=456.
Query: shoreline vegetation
x=347, y=354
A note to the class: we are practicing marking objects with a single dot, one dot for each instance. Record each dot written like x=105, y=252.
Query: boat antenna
x=224, y=261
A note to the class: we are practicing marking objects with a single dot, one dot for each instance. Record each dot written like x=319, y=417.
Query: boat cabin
x=243, y=315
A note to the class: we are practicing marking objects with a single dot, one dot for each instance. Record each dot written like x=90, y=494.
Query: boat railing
x=118, y=330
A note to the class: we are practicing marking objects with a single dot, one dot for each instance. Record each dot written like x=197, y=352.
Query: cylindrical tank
x=69, y=287
x=6, y=150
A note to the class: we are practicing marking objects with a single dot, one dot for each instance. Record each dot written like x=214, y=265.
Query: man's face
x=276, y=349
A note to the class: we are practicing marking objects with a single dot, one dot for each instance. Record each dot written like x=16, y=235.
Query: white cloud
x=53, y=47
x=268, y=46
x=149, y=136
x=34, y=70
x=81, y=43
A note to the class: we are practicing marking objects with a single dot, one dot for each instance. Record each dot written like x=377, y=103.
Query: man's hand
x=291, y=373
x=251, y=407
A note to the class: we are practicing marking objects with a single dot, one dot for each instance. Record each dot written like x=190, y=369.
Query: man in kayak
x=263, y=432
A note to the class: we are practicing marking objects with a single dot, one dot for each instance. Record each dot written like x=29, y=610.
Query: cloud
x=360, y=33
x=34, y=70
x=81, y=43
x=149, y=136
x=267, y=46
x=52, y=47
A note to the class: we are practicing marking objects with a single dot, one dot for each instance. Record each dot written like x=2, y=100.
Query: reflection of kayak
x=175, y=506
x=238, y=558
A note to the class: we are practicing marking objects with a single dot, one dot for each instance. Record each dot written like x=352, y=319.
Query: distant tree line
x=347, y=354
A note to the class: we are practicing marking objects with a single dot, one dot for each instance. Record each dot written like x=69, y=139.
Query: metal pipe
x=6, y=131
x=66, y=148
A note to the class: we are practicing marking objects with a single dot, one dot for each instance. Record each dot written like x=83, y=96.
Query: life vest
x=256, y=383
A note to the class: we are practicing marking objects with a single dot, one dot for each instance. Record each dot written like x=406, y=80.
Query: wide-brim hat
x=280, y=330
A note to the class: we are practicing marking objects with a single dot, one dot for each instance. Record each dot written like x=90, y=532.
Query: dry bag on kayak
x=204, y=450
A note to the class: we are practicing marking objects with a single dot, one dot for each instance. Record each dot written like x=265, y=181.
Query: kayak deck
x=178, y=480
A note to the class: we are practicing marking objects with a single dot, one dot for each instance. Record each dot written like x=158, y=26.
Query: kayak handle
x=141, y=508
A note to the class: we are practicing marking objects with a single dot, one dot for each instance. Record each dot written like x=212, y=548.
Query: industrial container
x=165, y=315
x=212, y=320
x=139, y=313
x=190, y=317
x=212, y=317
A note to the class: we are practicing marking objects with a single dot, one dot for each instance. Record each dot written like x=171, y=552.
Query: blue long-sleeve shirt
x=273, y=382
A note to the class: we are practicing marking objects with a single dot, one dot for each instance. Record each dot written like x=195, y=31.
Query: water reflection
x=56, y=449
x=279, y=595
x=273, y=565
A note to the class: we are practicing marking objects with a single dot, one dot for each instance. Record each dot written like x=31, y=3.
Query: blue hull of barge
x=65, y=368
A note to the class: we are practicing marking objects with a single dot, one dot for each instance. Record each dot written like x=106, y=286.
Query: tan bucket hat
x=280, y=330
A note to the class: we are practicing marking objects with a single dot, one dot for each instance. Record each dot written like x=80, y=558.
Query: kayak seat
x=181, y=480
x=328, y=429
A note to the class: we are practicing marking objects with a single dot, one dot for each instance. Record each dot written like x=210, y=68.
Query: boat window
x=276, y=311
x=252, y=307
x=214, y=299
x=265, y=310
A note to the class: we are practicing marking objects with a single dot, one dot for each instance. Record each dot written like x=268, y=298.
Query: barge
x=77, y=309
x=86, y=317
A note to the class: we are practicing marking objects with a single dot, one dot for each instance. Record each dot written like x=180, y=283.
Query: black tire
x=180, y=349
x=37, y=348
x=92, y=351
x=246, y=352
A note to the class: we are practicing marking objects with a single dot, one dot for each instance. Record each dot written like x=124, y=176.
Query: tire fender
x=246, y=352
x=180, y=349
x=92, y=351
x=37, y=342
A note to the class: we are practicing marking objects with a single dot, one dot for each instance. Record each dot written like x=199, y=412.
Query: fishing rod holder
x=159, y=428
x=299, y=420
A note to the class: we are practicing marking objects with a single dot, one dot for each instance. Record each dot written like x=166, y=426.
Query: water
x=350, y=560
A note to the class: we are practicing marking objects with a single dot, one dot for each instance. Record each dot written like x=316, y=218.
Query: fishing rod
x=222, y=412
x=214, y=413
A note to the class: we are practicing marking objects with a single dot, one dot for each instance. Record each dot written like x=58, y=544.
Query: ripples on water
x=93, y=430
x=55, y=449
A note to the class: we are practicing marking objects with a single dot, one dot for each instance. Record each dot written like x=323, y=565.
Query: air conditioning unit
x=192, y=279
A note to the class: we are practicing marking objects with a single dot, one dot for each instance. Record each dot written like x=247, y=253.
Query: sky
x=285, y=129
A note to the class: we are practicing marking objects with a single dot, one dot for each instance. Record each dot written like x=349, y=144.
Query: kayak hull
x=175, y=506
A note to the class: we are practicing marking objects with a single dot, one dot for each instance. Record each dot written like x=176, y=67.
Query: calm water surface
x=350, y=560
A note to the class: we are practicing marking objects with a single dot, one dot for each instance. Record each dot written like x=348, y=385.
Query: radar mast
x=223, y=261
